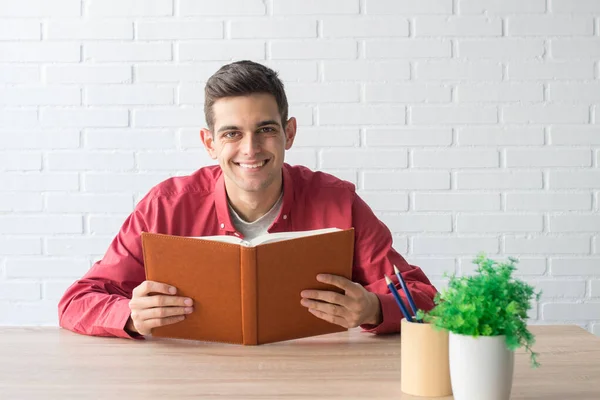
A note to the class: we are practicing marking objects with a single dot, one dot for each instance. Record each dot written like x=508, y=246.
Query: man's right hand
x=155, y=304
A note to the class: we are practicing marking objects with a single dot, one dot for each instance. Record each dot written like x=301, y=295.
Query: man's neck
x=252, y=206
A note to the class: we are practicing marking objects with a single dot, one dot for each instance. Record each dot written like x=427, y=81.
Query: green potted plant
x=486, y=317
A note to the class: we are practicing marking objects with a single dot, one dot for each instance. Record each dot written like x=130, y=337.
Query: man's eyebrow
x=267, y=122
x=228, y=128
x=259, y=125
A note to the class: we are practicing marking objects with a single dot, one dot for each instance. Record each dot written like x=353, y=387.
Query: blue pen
x=394, y=292
x=413, y=307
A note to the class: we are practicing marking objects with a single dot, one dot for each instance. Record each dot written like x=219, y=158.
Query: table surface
x=51, y=363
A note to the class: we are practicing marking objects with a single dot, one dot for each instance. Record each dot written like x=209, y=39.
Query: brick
x=410, y=180
x=574, y=223
x=361, y=114
x=105, y=225
x=36, y=182
x=550, y=70
x=321, y=49
x=587, y=266
x=418, y=222
x=570, y=311
x=326, y=137
x=77, y=245
x=168, y=117
x=499, y=180
x=82, y=161
x=224, y=7
x=39, y=313
x=409, y=7
x=577, y=92
x=400, y=244
x=273, y=28
x=100, y=52
x=39, y=140
x=16, y=202
x=178, y=30
x=39, y=268
x=408, y=137
x=344, y=174
x=15, y=74
x=437, y=266
x=490, y=223
x=546, y=114
x=130, y=8
x=88, y=74
x=54, y=290
x=572, y=244
x=87, y=203
x=453, y=115
x=40, y=52
x=548, y=158
x=128, y=95
x=367, y=71
x=20, y=246
x=20, y=30
x=310, y=7
x=89, y=30
x=171, y=161
x=383, y=201
x=223, y=50
x=40, y=95
x=40, y=8
x=549, y=25
x=46, y=224
x=501, y=7
x=13, y=118
x=192, y=94
x=499, y=136
x=457, y=26
x=342, y=27
x=456, y=201
x=525, y=266
x=121, y=182
x=363, y=158
x=455, y=159
x=292, y=71
x=445, y=245
x=500, y=92
x=458, y=70
x=573, y=179
x=408, y=48
x=595, y=288
x=71, y=117
x=323, y=93
x=303, y=114
x=575, y=7
x=26, y=291
x=305, y=157
x=500, y=49
x=175, y=73
x=20, y=161
x=552, y=289
x=575, y=48
x=407, y=93
x=548, y=202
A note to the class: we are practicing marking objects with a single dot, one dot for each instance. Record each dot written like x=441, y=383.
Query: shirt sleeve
x=98, y=303
x=375, y=257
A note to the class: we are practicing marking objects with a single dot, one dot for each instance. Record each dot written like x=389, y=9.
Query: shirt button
x=285, y=217
x=222, y=226
x=236, y=234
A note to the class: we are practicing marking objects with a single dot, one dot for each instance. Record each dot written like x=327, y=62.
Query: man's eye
x=230, y=135
x=266, y=129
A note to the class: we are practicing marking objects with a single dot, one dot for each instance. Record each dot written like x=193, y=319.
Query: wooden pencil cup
x=424, y=363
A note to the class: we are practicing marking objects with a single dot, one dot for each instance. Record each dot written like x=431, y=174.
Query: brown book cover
x=248, y=293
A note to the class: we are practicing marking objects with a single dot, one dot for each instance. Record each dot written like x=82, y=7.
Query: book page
x=220, y=238
x=279, y=236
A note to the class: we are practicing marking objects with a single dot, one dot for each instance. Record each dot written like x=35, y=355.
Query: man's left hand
x=355, y=307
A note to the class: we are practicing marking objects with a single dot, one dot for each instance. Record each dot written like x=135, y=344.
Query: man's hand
x=149, y=308
x=356, y=307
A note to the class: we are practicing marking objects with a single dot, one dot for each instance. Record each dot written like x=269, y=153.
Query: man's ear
x=209, y=142
x=290, y=132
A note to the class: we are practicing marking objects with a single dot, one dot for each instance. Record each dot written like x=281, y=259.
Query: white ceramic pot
x=480, y=368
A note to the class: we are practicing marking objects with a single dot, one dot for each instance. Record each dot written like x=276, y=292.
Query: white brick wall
x=467, y=125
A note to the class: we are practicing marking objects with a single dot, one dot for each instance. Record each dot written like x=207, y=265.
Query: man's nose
x=251, y=143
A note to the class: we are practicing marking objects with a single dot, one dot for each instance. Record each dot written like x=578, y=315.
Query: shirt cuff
x=391, y=316
x=120, y=313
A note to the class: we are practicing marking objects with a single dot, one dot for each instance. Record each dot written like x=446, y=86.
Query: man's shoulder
x=199, y=182
x=304, y=177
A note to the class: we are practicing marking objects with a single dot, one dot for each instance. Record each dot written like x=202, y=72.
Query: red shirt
x=196, y=205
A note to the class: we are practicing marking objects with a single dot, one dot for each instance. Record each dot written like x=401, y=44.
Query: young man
x=251, y=192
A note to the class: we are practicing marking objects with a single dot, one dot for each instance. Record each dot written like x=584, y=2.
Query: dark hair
x=242, y=78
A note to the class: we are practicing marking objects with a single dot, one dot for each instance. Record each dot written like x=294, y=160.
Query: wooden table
x=50, y=363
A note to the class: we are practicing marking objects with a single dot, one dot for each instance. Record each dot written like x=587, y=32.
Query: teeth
x=251, y=166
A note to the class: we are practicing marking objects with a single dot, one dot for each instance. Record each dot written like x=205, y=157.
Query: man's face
x=249, y=142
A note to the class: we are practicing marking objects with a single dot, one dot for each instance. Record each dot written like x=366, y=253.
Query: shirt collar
x=222, y=207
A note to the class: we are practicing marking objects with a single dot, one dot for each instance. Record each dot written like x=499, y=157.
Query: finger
x=332, y=309
x=156, y=322
x=329, y=318
x=327, y=296
x=160, y=301
x=336, y=280
x=147, y=287
x=162, y=312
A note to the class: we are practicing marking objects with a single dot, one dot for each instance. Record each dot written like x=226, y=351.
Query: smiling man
x=250, y=192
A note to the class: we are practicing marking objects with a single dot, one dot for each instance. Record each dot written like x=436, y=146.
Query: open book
x=248, y=292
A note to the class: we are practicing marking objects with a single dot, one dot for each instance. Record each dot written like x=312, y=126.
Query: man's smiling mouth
x=254, y=165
